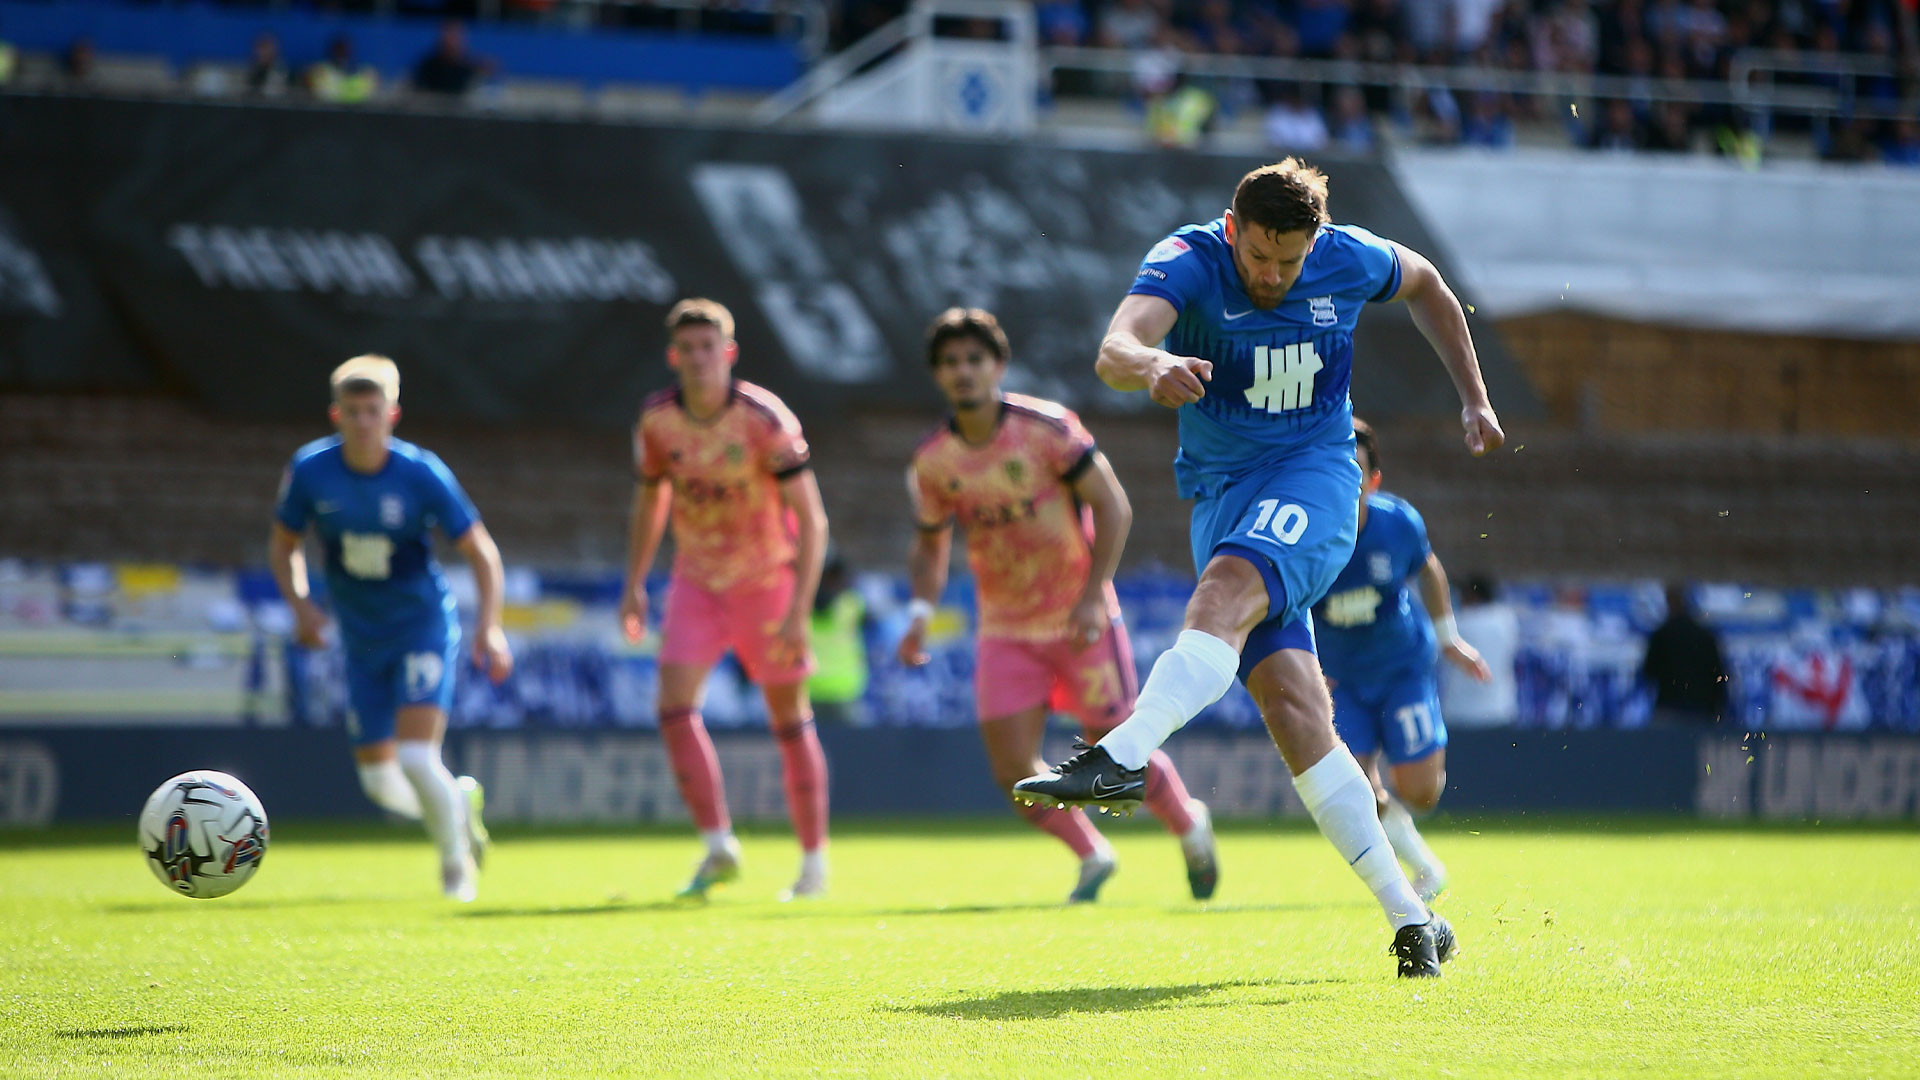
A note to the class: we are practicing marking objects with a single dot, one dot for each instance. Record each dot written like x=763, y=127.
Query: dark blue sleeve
x=1378, y=264
x=292, y=508
x=1417, y=546
x=1174, y=271
x=445, y=501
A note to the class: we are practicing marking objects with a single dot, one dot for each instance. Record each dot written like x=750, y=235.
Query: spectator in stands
x=1320, y=23
x=76, y=67
x=1851, y=142
x=1438, y=112
x=1618, y=129
x=1494, y=628
x=1293, y=123
x=1183, y=116
x=1672, y=130
x=266, y=71
x=1734, y=138
x=1352, y=130
x=1473, y=22
x=1568, y=40
x=1685, y=667
x=9, y=60
x=1129, y=24
x=1488, y=122
x=448, y=70
x=1623, y=28
x=1903, y=145
x=339, y=79
x=1061, y=22
x=840, y=624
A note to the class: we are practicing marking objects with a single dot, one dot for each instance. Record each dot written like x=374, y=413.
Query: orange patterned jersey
x=1029, y=539
x=730, y=528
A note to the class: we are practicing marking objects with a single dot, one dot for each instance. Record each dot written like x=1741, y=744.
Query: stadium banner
x=519, y=270
x=550, y=777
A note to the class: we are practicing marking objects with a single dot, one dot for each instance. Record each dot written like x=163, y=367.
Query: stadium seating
x=98, y=477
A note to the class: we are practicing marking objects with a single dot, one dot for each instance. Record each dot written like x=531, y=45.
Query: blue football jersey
x=381, y=574
x=1280, y=377
x=1368, y=626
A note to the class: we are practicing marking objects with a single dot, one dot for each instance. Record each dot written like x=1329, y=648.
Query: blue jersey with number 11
x=1280, y=377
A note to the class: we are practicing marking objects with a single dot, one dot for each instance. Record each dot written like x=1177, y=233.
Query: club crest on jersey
x=393, y=512
x=1016, y=470
x=735, y=454
x=1380, y=565
x=1168, y=250
x=1321, y=307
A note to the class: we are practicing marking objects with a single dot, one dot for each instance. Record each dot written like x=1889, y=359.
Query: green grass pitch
x=1643, y=950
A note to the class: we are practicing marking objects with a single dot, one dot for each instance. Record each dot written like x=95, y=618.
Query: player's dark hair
x=360, y=384
x=1363, y=440
x=959, y=323
x=1285, y=197
x=699, y=311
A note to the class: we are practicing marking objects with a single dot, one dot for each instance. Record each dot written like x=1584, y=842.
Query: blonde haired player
x=1045, y=520
x=374, y=501
x=727, y=462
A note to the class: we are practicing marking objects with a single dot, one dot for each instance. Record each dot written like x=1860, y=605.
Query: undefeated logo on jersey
x=1283, y=377
x=1355, y=607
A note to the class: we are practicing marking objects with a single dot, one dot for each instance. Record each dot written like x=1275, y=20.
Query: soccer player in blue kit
x=1378, y=652
x=374, y=501
x=1245, y=326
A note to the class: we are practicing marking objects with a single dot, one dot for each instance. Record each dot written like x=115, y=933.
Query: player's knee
x=1420, y=788
x=1230, y=600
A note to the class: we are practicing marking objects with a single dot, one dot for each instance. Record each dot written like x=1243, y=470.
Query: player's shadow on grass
x=613, y=907
x=120, y=1032
x=1046, y=1004
x=971, y=909
x=1209, y=908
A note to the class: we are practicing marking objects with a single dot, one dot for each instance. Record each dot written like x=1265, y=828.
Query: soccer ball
x=204, y=834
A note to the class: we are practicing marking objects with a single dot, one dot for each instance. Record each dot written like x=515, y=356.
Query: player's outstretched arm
x=927, y=557
x=801, y=493
x=1438, y=314
x=1439, y=601
x=1100, y=490
x=1130, y=359
x=646, y=524
x=490, y=650
x=288, y=562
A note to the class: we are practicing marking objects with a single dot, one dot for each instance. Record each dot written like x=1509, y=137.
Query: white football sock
x=387, y=786
x=813, y=864
x=719, y=841
x=443, y=807
x=1340, y=799
x=1187, y=678
x=1406, y=839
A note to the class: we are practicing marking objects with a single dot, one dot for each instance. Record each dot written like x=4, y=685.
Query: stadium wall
x=68, y=774
x=1609, y=374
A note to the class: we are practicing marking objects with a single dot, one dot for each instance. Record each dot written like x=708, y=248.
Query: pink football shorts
x=700, y=625
x=1095, y=684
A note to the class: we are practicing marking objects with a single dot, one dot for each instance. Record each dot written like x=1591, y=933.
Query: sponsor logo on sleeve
x=1168, y=250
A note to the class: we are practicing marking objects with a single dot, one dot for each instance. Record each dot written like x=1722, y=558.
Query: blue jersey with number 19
x=384, y=582
x=1280, y=377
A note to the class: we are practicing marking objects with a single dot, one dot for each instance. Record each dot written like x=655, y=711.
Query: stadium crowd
x=1867, y=51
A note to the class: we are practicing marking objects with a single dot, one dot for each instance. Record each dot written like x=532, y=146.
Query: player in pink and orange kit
x=730, y=463
x=1045, y=520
